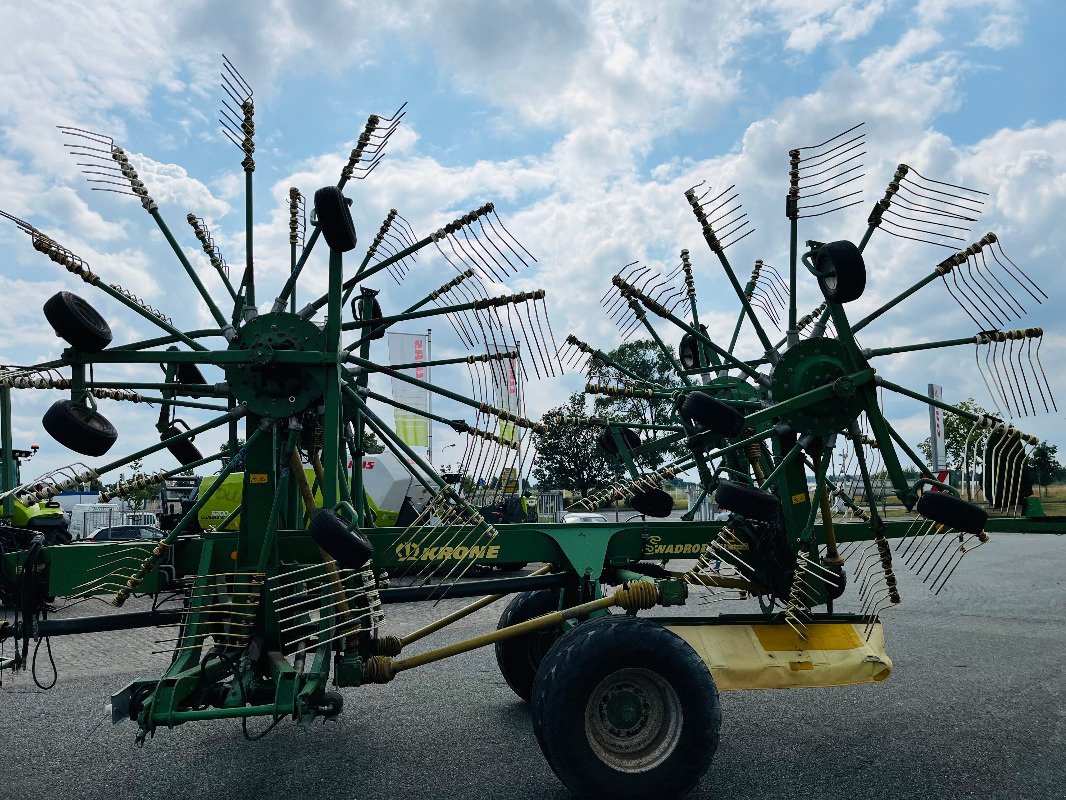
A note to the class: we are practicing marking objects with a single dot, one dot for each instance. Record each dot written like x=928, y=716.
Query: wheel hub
x=633, y=720
x=625, y=710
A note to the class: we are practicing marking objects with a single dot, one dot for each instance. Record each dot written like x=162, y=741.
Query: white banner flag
x=938, y=439
x=410, y=348
x=507, y=389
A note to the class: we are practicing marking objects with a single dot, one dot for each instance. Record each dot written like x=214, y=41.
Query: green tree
x=1045, y=465
x=956, y=431
x=645, y=358
x=371, y=445
x=568, y=456
x=224, y=450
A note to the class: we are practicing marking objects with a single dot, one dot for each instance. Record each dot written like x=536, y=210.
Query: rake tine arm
x=655, y=308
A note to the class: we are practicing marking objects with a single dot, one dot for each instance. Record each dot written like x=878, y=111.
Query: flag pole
x=429, y=398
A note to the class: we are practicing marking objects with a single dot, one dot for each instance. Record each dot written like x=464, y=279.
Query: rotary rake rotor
x=800, y=432
x=254, y=622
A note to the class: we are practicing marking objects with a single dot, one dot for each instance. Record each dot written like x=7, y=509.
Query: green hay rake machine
x=259, y=622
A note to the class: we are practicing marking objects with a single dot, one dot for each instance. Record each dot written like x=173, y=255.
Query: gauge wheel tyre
x=951, y=511
x=653, y=503
x=688, y=351
x=520, y=658
x=183, y=450
x=79, y=428
x=335, y=219
x=608, y=445
x=189, y=373
x=625, y=709
x=844, y=271
x=748, y=501
x=712, y=413
x=332, y=704
x=77, y=322
x=346, y=543
x=55, y=536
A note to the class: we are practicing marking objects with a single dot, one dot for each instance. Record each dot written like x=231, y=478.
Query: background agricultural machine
x=258, y=621
x=20, y=522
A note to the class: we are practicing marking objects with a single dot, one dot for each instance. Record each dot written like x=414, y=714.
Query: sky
x=584, y=122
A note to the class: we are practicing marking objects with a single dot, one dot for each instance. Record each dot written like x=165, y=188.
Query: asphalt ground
x=974, y=709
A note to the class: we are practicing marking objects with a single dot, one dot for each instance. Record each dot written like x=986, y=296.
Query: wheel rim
x=91, y=418
x=830, y=281
x=90, y=314
x=633, y=720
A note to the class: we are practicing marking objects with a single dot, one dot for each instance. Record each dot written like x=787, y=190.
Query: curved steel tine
x=1043, y=374
x=992, y=273
x=992, y=354
x=1020, y=271
x=984, y=378
x=976, y=287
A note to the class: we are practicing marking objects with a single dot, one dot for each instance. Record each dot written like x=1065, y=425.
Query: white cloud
x=62, y=204
x=172, y=184
x=811, y=24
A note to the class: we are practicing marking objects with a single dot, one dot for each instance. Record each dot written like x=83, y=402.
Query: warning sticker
x=258, y=477
x=799, y=498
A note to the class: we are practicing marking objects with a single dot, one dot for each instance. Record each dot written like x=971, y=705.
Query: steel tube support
x=215, y=312
x=332, y=420
x=556, y=618
x=465, y=611
x=7, y=478
x=899, y=298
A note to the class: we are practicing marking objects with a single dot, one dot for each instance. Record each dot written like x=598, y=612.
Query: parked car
x=584, y=518
x=117, y=533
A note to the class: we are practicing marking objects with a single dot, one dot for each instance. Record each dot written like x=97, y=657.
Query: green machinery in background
x=21, y=520
x=261, y=620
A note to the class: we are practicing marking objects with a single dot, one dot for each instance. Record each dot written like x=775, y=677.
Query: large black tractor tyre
x=335, y=219
x=844, y=277
x=951, y=511
x=520, y=658
x=748, y=501
x=608, y=445
x=625, y=709
x=79, y=428
x=346, y=543
x=653, y=503
x=712, y=413
x=77, y=322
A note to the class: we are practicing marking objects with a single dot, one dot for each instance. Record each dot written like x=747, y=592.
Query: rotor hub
x=809, y=365
x=270, y=386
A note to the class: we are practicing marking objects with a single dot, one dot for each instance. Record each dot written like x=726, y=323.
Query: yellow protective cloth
x=773, y=656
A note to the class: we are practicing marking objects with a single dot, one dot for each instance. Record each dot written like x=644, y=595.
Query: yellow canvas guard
x=773, y=656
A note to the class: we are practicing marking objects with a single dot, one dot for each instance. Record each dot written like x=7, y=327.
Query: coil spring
x=134, y=298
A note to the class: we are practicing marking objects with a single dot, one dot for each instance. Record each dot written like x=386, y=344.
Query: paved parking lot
x=975, y=708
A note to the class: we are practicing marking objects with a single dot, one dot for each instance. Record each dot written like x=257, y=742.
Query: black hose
x=25, y=607
x=51, y=660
